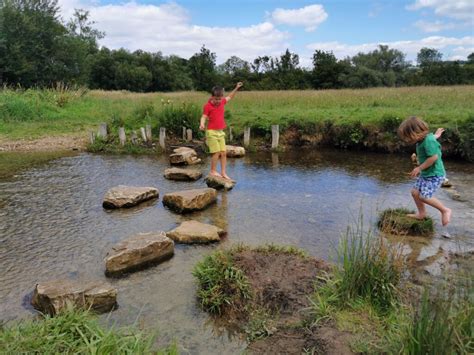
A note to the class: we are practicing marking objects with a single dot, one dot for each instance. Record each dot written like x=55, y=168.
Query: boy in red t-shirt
x=215, y=136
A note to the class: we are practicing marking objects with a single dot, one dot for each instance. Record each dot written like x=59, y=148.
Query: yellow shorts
x=215, y=140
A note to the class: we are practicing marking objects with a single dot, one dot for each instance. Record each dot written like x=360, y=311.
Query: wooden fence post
x=275, y=136
x=122, y=136
x=162, y=137
x=92, y=137
x=142, y=131
x=231, y=136
x=246, y=136
x=189, y=134
x=148, y=132
x=102, y=131
x=184, y=133
x=134, y=137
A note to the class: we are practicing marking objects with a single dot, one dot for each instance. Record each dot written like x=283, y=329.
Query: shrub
x=174, y=117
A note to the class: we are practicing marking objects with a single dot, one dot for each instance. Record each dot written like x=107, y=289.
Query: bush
x=466, y=134
x=174, y=117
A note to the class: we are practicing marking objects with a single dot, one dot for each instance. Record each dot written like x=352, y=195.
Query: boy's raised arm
x=233, y=92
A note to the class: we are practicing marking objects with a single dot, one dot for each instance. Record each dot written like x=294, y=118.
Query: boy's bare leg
x=420, y=205
x=445, y=212
x=224, y=165
x=214, y=160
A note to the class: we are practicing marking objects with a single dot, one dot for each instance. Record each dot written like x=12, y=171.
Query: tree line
x=38, y=49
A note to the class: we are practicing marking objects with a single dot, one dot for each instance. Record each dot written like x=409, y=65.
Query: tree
x=202, y=68
x=326, y=70
x=428, y=56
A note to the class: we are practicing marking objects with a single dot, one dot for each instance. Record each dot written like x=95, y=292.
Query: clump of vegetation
x=220, y=283
x=396, y=221
x=74, y=332
x=176, y=116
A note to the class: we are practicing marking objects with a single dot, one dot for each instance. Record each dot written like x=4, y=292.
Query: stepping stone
x=190, y=200
x=219, y=183
x=396, y=222
x=137, y=252
x=233, y=151
x=184, y=156
x=182, y=174
x=54, y=296
x=195, y=232
x=128, y=196
x=446, y=183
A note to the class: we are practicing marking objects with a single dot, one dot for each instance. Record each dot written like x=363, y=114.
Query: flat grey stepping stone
x=182, y=174
x=137, y=252
x=233, y=151
x=195, y=232
x=128, y=196
x=184, y=156
x=219, y=183
x=190, y=200
x=52, y=297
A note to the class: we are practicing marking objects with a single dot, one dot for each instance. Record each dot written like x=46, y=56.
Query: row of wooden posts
x=187, y=135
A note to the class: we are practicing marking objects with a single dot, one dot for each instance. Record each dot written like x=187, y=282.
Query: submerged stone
x=190, y=200
x=138, y=252
x=182, y=174
x=128, y=196
x=219, y=183
x=396, y=221
x=195, y=232
x=233, y=151
x=54, y=296
x=184, y=156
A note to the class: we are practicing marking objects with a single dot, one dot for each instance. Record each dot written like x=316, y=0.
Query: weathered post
x=122, y=136
x=102, y=131
x=162, y=137
x=231, y=137
x=184, y=133
x=246, y=136
x=148, y=132
x=134, y=137
x=92, y=137
x=189, y=134
x=142, y=131
x=275, y=136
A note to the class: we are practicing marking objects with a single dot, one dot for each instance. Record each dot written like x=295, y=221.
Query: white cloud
x=451, y=46
x=432, y=27
x=458, y=9
x=167, y=28
x=309, y=16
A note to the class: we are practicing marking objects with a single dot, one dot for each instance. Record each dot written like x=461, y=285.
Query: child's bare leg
x=420, y=205
x=224, y=165
x=214, y=160
x=445, y=212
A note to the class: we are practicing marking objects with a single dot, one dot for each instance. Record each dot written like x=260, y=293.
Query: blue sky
x=251, y=28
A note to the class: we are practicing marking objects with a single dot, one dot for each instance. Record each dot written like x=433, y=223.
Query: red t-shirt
x=215, y=114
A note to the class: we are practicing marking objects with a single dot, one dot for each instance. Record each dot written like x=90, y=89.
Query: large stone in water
x=233, y=151
x=195, y=232
x=138, y=252
x=128, y=196
x=54, y=296
x=184, y=156
x=219, y=183
x=182, y=174
x=190, y=200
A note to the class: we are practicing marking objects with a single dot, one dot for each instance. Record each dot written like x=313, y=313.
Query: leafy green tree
x=327, y=70
x=202, y=68
x=428, y=56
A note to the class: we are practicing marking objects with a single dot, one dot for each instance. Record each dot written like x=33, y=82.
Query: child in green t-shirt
x=430, y=172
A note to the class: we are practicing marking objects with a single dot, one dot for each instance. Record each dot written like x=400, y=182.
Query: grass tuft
x=395, y=221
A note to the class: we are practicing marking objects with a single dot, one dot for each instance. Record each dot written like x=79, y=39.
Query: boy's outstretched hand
x=239, y=85
x=439, y=132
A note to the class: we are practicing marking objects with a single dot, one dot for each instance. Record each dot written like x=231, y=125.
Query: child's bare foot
x=446, y=217
x=215, y=174
x=227, y=177
x=416, y=216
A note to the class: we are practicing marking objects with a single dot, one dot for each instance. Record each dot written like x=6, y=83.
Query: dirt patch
x=44, y=144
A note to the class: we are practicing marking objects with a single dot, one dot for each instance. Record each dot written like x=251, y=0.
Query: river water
x=52, y=225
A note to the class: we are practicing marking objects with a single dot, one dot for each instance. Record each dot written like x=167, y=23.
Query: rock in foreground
x=182, y=174
x=195, y=232
x=190, y=200
x=233, y=151
x=128, y=196
x=137, y=252
x=54, y=296
x=184, y=156
x=219, y=183
x=396, y=221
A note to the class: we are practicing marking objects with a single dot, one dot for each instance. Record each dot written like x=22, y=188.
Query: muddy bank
x=45, y=144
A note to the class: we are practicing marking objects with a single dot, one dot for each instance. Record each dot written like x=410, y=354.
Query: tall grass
x=74, y=332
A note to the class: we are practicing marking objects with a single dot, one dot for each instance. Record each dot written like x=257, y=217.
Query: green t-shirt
x=427, y=148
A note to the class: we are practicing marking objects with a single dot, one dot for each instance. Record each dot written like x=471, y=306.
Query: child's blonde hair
x=413, y=129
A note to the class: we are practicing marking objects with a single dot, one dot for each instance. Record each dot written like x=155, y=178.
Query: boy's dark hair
x=217, y=91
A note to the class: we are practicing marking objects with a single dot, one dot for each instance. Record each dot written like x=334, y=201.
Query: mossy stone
x=396, y=221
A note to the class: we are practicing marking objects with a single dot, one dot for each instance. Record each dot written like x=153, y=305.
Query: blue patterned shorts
x=428, y=185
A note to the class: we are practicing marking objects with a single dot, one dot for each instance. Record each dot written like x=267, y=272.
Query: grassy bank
x=75, y=332
x=343, y=118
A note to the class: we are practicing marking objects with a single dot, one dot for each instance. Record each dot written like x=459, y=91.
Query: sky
x=248, y=29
